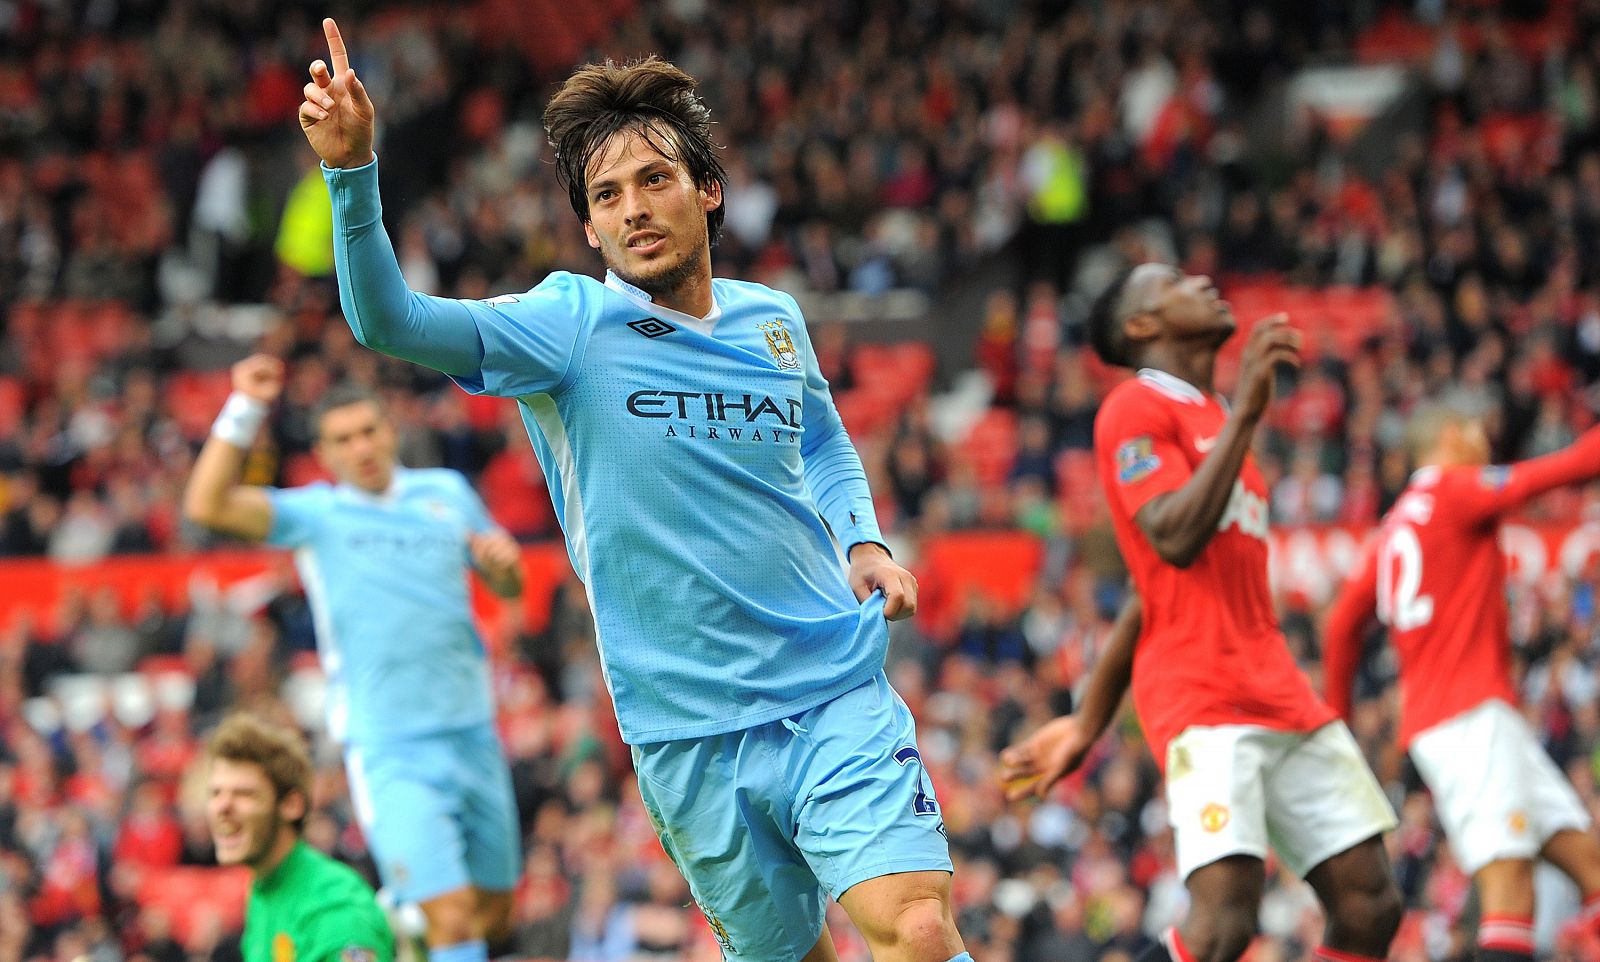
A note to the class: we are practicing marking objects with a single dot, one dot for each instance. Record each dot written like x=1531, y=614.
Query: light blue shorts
x=766, y=823
x=438, y=813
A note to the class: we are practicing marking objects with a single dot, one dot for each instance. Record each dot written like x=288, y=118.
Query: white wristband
x=240, y=420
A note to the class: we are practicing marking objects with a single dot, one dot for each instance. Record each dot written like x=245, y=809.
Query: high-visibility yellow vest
x=1062, y=198
x=305, y=235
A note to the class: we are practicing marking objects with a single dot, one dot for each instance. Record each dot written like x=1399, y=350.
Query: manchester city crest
x=781, y=345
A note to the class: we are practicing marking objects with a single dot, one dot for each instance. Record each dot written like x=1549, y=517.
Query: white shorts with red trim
x=1240, y=789
x=1496, y=792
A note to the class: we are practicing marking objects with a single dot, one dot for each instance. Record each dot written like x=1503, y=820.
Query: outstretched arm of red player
x=1502, y=488
x=1346, y=628
x=1034, y=764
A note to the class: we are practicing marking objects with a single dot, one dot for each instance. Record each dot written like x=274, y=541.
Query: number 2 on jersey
x=1399, y=579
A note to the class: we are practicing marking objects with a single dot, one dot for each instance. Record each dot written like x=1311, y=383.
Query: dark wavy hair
x=1106, y=317
x=650, y=97
x=342, y=396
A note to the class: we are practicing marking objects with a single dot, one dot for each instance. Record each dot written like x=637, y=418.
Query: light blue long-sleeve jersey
x=691, y=462
x=386, y=577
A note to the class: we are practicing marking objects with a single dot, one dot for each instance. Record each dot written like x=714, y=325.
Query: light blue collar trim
x=1174, y=387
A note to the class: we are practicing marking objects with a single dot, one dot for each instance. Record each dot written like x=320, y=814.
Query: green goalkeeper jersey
x=314, y=909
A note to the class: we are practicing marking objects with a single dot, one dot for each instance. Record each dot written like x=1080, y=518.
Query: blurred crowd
x=152, y=181
x=159, y=213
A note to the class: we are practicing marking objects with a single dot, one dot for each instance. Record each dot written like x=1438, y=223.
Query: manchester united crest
x=1214, y=818
x=781, y=345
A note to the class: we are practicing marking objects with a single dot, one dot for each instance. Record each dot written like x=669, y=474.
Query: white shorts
x=1238, y=789
x=1496, y=792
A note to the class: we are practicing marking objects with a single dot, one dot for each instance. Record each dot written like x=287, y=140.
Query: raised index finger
x=336, y=51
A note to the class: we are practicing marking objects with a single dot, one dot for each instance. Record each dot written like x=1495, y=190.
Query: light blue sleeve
x=478, y=520
x=508, y=346
x=833, y=469
x=297, y=514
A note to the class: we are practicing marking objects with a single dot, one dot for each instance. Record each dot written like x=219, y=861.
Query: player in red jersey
x=1435, y=576
x=1252, y=756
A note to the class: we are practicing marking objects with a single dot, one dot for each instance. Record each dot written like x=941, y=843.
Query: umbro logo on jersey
x=651, y=326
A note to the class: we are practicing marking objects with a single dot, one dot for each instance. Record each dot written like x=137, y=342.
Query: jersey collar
x=702, y=324
x=1174, y=387
x=283, y=869
x=383, y=498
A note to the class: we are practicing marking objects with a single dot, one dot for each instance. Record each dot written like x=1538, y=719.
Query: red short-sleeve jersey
x=1210, y=651
x=1435, y=576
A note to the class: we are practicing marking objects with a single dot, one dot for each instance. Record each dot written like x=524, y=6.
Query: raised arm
x=214, y=498
x=1179, y=524
x=338, y=118
x=1503, y=488
x=1055, y=751
x=1346, y=628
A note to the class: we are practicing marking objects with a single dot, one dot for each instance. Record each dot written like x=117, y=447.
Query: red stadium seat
x=898, y=372
x=110, y=326
x=514, y=491
x=163, y=665
x=484, y=411
x=13, y=402
x=187, y=894
x=304, y=468
x=194, y=398
x=1079, y=496
x=992, y=445
x=864, y=412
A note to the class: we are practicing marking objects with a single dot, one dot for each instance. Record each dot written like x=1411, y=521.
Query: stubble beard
x=666, y=280
x=262, y=850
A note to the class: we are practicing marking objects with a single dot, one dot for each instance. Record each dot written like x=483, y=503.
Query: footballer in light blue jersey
x=384, y=556
x=688, y=464
x=384, y=574
x=697, y=464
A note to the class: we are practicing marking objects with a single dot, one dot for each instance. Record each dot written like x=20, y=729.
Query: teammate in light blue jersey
x=383, y=555
x=697, y=464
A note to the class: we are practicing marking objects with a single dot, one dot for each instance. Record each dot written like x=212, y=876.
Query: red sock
x=1325, y=954
x=1582, y=934
x=1589, y=915
x=1176, y=948
x=1508, y=933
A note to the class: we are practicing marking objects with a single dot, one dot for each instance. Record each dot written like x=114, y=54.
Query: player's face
x=244, y=813
x=357, y=443
x=1189, y=305
x=647, y=217
x=1469, y=443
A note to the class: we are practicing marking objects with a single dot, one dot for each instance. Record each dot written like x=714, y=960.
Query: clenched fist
x=259, y=376
x=1271, y=343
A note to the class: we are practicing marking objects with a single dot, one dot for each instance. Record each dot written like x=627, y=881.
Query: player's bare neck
x=692, y=296
x=1183, y=361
